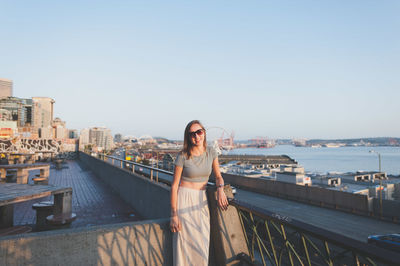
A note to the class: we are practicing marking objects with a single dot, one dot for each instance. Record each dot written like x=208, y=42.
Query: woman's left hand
x=221, y=198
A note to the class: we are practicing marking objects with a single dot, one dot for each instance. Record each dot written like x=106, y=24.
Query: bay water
x=341, y=159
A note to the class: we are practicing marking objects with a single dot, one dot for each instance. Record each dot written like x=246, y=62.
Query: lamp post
x=380, y=179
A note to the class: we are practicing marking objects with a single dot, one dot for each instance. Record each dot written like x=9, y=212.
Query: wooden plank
x=32, y=166
x=13, y=193
x=24, y=198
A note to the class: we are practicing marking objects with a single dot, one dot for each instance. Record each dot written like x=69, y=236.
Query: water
x=341, y=159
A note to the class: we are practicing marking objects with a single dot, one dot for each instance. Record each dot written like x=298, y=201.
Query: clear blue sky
x=296, y=69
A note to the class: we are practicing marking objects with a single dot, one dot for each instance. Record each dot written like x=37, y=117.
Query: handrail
x=154, y=172
x=138, y=164
x=357, y=247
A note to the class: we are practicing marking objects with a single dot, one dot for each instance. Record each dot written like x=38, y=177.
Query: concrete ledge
x=344, y=201
x=138, y=243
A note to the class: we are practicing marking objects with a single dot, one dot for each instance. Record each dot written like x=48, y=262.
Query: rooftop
x=94, y=202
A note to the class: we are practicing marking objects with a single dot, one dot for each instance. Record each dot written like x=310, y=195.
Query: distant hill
x=380, y=141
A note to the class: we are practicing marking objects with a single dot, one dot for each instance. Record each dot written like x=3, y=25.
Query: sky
x=277, y=69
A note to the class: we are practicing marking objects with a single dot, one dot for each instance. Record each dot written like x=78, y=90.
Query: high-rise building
x=6, y=88
x=60, y=130
x=42, y=112
x=18, y=109
x=101, y=137
x=73, y=134
x=83, y=138
x=118, y=138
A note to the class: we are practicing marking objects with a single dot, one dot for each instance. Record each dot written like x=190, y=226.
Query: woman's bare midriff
x=194, y=185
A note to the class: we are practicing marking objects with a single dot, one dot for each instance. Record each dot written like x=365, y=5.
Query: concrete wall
x=396, y=193
x=150, y=200
x=314, y=195
x=390, y=209
x=138, y=243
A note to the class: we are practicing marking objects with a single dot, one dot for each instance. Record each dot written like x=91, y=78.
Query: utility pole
x=380, y=180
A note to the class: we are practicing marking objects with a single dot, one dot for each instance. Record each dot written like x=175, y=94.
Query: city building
x=73, y=134
x=118, y=138
x=6, y=88
x=366, y=183
x=28, y=132
x=83, y=138
x=8, y=129
x=42, y=111
x=17, y=109
x=5, y=115
x=364, y=176
x=327, y=181
x=45, y=132
x=101, y=137
x=293, y=177
x=59, y=129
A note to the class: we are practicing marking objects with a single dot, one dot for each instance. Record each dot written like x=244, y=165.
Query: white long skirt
x=191, y=243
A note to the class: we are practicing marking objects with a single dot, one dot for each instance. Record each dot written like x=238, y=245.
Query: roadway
x=347, y=224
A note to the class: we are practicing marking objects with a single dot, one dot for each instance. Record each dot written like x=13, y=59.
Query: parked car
x=390, y=241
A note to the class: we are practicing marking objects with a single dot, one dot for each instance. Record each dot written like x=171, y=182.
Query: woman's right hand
x=175, y=224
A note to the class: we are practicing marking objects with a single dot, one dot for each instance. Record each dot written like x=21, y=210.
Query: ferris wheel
x=220, y=137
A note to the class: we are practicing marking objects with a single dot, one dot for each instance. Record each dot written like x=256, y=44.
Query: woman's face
x=197, y=133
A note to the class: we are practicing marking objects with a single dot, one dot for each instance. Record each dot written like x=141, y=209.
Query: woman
x=190, y=218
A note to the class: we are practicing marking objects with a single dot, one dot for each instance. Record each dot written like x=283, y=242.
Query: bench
x=15, y=230
x=13, y=193
x=23, y=171
x=43, y=209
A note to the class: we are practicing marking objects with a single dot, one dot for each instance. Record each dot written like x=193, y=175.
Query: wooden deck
x=93, y=201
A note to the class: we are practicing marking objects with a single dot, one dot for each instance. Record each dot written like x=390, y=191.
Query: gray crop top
x=197, y=168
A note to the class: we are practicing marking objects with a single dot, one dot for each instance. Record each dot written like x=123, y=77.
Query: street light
x=380, y=179
x=379, y=156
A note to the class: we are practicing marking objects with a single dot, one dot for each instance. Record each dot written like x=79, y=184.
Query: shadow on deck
x=93, y=201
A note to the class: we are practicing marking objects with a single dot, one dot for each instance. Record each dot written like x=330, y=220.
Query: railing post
x=157, y=177
x=133, y=168
x=328, y=254
x=286, y=242
x=112, y=161
x=121, y=164
x=151, y=174
x=306, y=249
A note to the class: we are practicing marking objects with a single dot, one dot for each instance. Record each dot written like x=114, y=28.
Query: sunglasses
x=199, y=132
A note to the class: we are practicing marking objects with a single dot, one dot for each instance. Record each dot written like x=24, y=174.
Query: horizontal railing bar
x=369, y=250
x=141, y=165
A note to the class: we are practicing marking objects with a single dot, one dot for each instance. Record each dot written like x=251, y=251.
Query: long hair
x=187, y=142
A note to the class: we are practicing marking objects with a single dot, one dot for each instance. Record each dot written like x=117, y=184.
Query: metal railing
x=274, y=239
x=155, y=174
